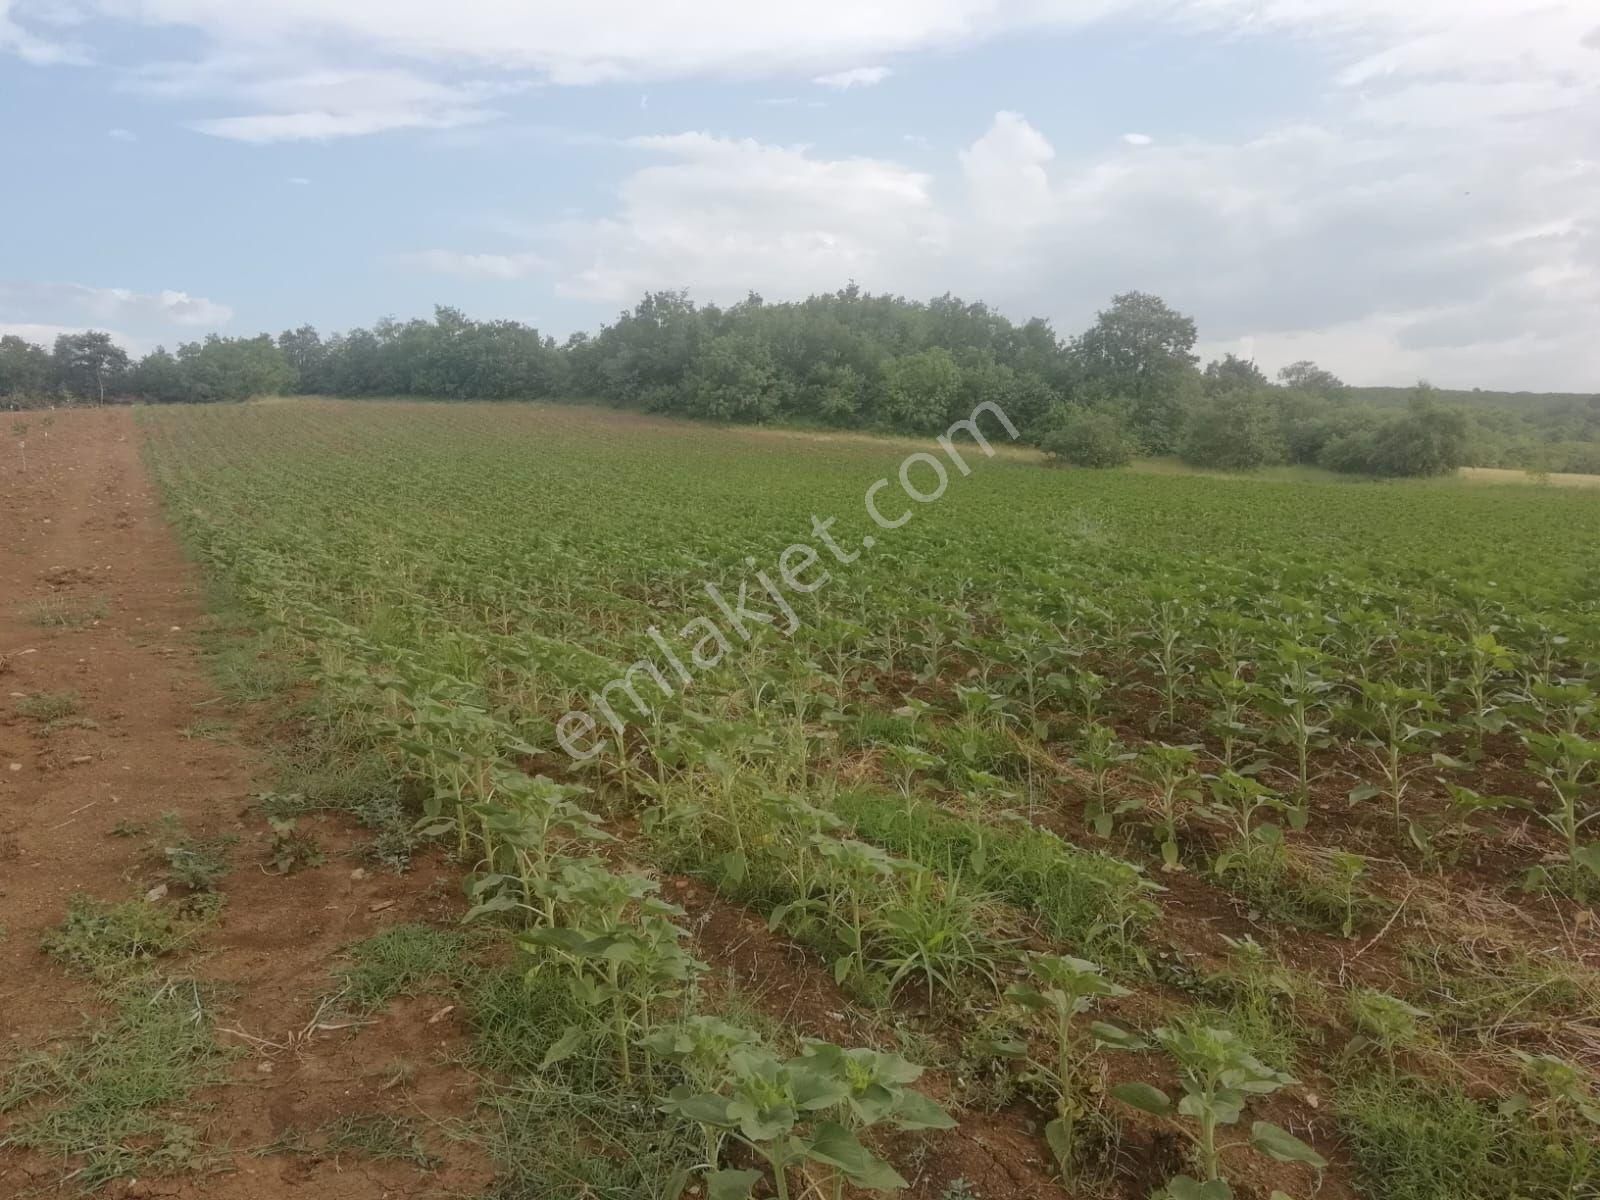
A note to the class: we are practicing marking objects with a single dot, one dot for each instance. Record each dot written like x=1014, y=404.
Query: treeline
x=1130, y=384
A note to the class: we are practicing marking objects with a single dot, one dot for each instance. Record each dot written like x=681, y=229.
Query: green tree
x=1139, y=351
x=1088, y=439
x=920, y=390
x=735, y=379
x=1231, y=373
x=26, y=372
x=1235, y=429
x=1306, y=376
x=89, y=364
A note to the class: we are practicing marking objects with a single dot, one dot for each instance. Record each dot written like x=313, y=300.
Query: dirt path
x=98, y=603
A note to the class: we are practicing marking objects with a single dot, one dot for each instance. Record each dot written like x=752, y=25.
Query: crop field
x=1033, y=832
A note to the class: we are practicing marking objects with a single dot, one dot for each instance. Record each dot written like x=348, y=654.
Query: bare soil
x=83, y=541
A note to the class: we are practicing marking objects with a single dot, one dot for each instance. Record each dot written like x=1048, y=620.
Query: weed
x=397, y=962
x=60, y=612
x=112, y=1104
x=292, y=850
x=1426, y=1139
x=48, y=706
x=112, y=942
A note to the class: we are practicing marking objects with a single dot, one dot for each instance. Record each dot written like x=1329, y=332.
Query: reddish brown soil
x=82, y=527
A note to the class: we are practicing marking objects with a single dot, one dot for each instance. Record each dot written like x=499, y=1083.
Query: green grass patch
x=48, y=706
x=399, y=962
x=113, y=942
x=115, y=1103
x=1414, y=1139
x=1093, y=901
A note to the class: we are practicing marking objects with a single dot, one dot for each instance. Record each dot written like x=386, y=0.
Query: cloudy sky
x=1395, y=188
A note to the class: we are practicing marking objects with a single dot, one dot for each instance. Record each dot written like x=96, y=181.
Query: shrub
x=1088, y=439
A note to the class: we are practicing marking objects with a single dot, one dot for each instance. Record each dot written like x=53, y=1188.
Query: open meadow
x=822, y=816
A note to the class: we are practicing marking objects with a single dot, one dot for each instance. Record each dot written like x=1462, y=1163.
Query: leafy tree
x=1088, y=439
x=1139, y=351
x=1231, y=374
x=25, y=369
x=1306, y=376
x=306, y=355
x=1236, y=429
x=734, y=378
x=920, y=390
x=1428, y=440
x=159, y=378
x=88, y=364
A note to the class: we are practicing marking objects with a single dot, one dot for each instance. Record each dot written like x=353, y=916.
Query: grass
x=117, y=1102
x=114, y=942
x=1091, y=900
x=398, y=962
x=60, y=612
x=378, y=1137
x=48, y=706
x=1416, y=1139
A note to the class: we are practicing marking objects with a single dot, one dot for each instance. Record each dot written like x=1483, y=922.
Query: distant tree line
x=1129, y=384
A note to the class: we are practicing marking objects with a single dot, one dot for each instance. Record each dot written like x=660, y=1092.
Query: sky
x=1396, y=189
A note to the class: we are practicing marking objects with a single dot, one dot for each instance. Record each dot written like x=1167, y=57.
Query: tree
x=734, y=379
x=920, y=390
x=1088, y=439
x=1234, y=430
x=306, y=355
x=1428, y=440
x=1306, y=376
x=1231, y=373
x=88, y=363
x=1138, y=352
x=25, y=369
x=159, y=378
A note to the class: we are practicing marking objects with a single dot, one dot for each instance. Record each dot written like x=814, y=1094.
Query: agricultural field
x=838, y=816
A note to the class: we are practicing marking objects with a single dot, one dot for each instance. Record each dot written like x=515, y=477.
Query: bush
x=1234, y=430
x=1088, y=439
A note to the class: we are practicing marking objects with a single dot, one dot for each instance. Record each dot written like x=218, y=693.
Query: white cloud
x=723, y=216
x=76, y=305
x=319, y=105
x=1137, y=139
x=854, y=77
x=1006, y=175
x=122, y=135
x=299, y=181
x=476, y=266
x=41, y=52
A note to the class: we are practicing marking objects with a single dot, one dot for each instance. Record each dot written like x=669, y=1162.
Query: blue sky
x=1394, y=189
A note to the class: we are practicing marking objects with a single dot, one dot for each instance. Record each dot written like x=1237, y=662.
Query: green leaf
x=1588, y=857
x=564, y=1046
x=916, y=1111
x=1144, y=1097
x=1116, y=1037
x=1283, y=1145
x=1364, y=793
x=1060, y=1141
x=1184, y=1188
x=731, y=1185
x=837, y=1146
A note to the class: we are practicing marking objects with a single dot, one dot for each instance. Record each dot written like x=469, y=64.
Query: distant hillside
x=1520, y=402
